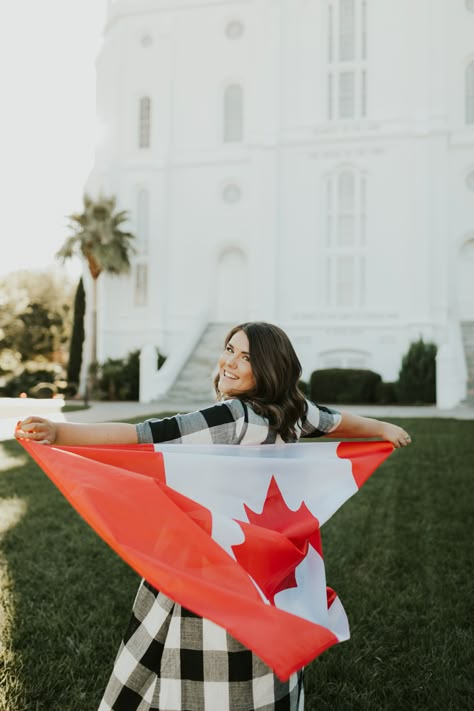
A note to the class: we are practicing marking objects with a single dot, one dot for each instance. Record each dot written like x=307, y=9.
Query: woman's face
x=235, y=370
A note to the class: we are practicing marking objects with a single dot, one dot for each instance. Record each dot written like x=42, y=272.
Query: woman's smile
x=235, y=370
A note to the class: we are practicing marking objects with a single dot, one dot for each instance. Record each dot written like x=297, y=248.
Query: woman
x=171, y=659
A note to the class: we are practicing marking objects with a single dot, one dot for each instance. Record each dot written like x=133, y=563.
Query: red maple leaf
x=276, y=541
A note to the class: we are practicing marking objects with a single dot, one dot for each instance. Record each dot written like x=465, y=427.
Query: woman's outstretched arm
x=356, y=426
x=45, y=431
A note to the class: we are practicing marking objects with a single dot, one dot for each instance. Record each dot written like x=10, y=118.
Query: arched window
x=144, y=122
x=233, y=113
x=232, y=268
x=470, y=93
x=143, y=219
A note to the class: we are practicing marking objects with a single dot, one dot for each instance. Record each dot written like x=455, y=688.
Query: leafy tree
x=34, y=316
x=98, y=238
x=417, y=377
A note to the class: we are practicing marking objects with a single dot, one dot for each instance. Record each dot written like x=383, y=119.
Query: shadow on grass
x=70, y=597
x=399, y=554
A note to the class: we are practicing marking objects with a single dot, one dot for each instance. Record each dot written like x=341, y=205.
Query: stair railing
x=154, y=383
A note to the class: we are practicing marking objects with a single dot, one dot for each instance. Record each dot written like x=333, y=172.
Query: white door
x=231, y=304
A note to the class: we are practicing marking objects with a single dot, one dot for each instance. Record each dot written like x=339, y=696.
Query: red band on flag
x=365, y=459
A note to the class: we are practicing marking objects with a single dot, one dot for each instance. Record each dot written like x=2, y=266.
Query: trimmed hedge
x=344, y=385
x=416, y=383
x=386, y=393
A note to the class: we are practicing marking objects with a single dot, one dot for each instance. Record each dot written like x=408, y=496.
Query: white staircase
x=467, y=330
x=195, y=381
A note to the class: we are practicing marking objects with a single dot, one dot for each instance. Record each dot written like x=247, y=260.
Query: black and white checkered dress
x=172, y=660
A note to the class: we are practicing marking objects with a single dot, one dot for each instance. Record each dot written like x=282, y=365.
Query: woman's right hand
x=37, y=429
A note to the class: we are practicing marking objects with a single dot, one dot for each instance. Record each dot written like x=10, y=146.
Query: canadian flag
x=230, y=532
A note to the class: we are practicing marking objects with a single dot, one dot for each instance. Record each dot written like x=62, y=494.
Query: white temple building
x=305, y=162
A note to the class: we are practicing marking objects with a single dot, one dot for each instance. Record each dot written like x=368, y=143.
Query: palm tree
x=98, y=238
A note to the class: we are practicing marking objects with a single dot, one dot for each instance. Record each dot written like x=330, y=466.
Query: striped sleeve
x=222, y=423
x=319, y=420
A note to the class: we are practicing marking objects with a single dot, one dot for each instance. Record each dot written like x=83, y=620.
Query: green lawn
x=399, y=554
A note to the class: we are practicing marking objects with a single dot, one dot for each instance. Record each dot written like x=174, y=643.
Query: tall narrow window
x=330, y=33
x=346, y=190
x=363, y=93
x=143, y=219
x=233, y=113
x=144, y=121
x=346, y=242
x=362, y=280
x=329, y=213
x=141, y=285
x=345, y=281
x=346, y=30
x=363, y=211
x=347, y=78
x=363, y=30
x=470, y=93
x=330, y=97
x=346, y=95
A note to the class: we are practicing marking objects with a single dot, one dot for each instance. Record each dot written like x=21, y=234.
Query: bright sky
x=47, y=127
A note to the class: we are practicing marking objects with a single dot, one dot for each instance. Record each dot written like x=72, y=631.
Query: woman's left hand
x=396, y=435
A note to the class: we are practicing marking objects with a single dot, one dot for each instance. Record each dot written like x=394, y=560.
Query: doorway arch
x=231, y=299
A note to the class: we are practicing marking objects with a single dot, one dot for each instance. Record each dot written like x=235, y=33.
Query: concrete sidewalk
x=105, y=411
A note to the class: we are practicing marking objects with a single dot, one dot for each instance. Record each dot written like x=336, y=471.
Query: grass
x=74, y=408
x=399, y=554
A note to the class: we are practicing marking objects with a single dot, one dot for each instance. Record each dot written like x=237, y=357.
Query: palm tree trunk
x=94, y=323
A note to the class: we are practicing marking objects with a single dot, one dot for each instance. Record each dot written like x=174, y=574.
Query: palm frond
x=98, y=238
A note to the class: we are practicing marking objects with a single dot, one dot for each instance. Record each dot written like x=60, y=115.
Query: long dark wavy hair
x=276, y=370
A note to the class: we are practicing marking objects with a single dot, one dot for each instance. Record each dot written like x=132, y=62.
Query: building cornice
x=120, y=8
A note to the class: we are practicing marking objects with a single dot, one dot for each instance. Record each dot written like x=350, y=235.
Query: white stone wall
x=263, y=253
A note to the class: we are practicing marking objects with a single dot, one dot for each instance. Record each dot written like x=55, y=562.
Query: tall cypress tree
x=77, y=337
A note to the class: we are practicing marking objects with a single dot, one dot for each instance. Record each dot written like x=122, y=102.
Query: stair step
x=195, y=381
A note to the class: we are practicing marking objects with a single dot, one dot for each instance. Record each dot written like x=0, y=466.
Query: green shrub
x=417, y=377
x=28, y=379
x=119, y=378
x=344, y=385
